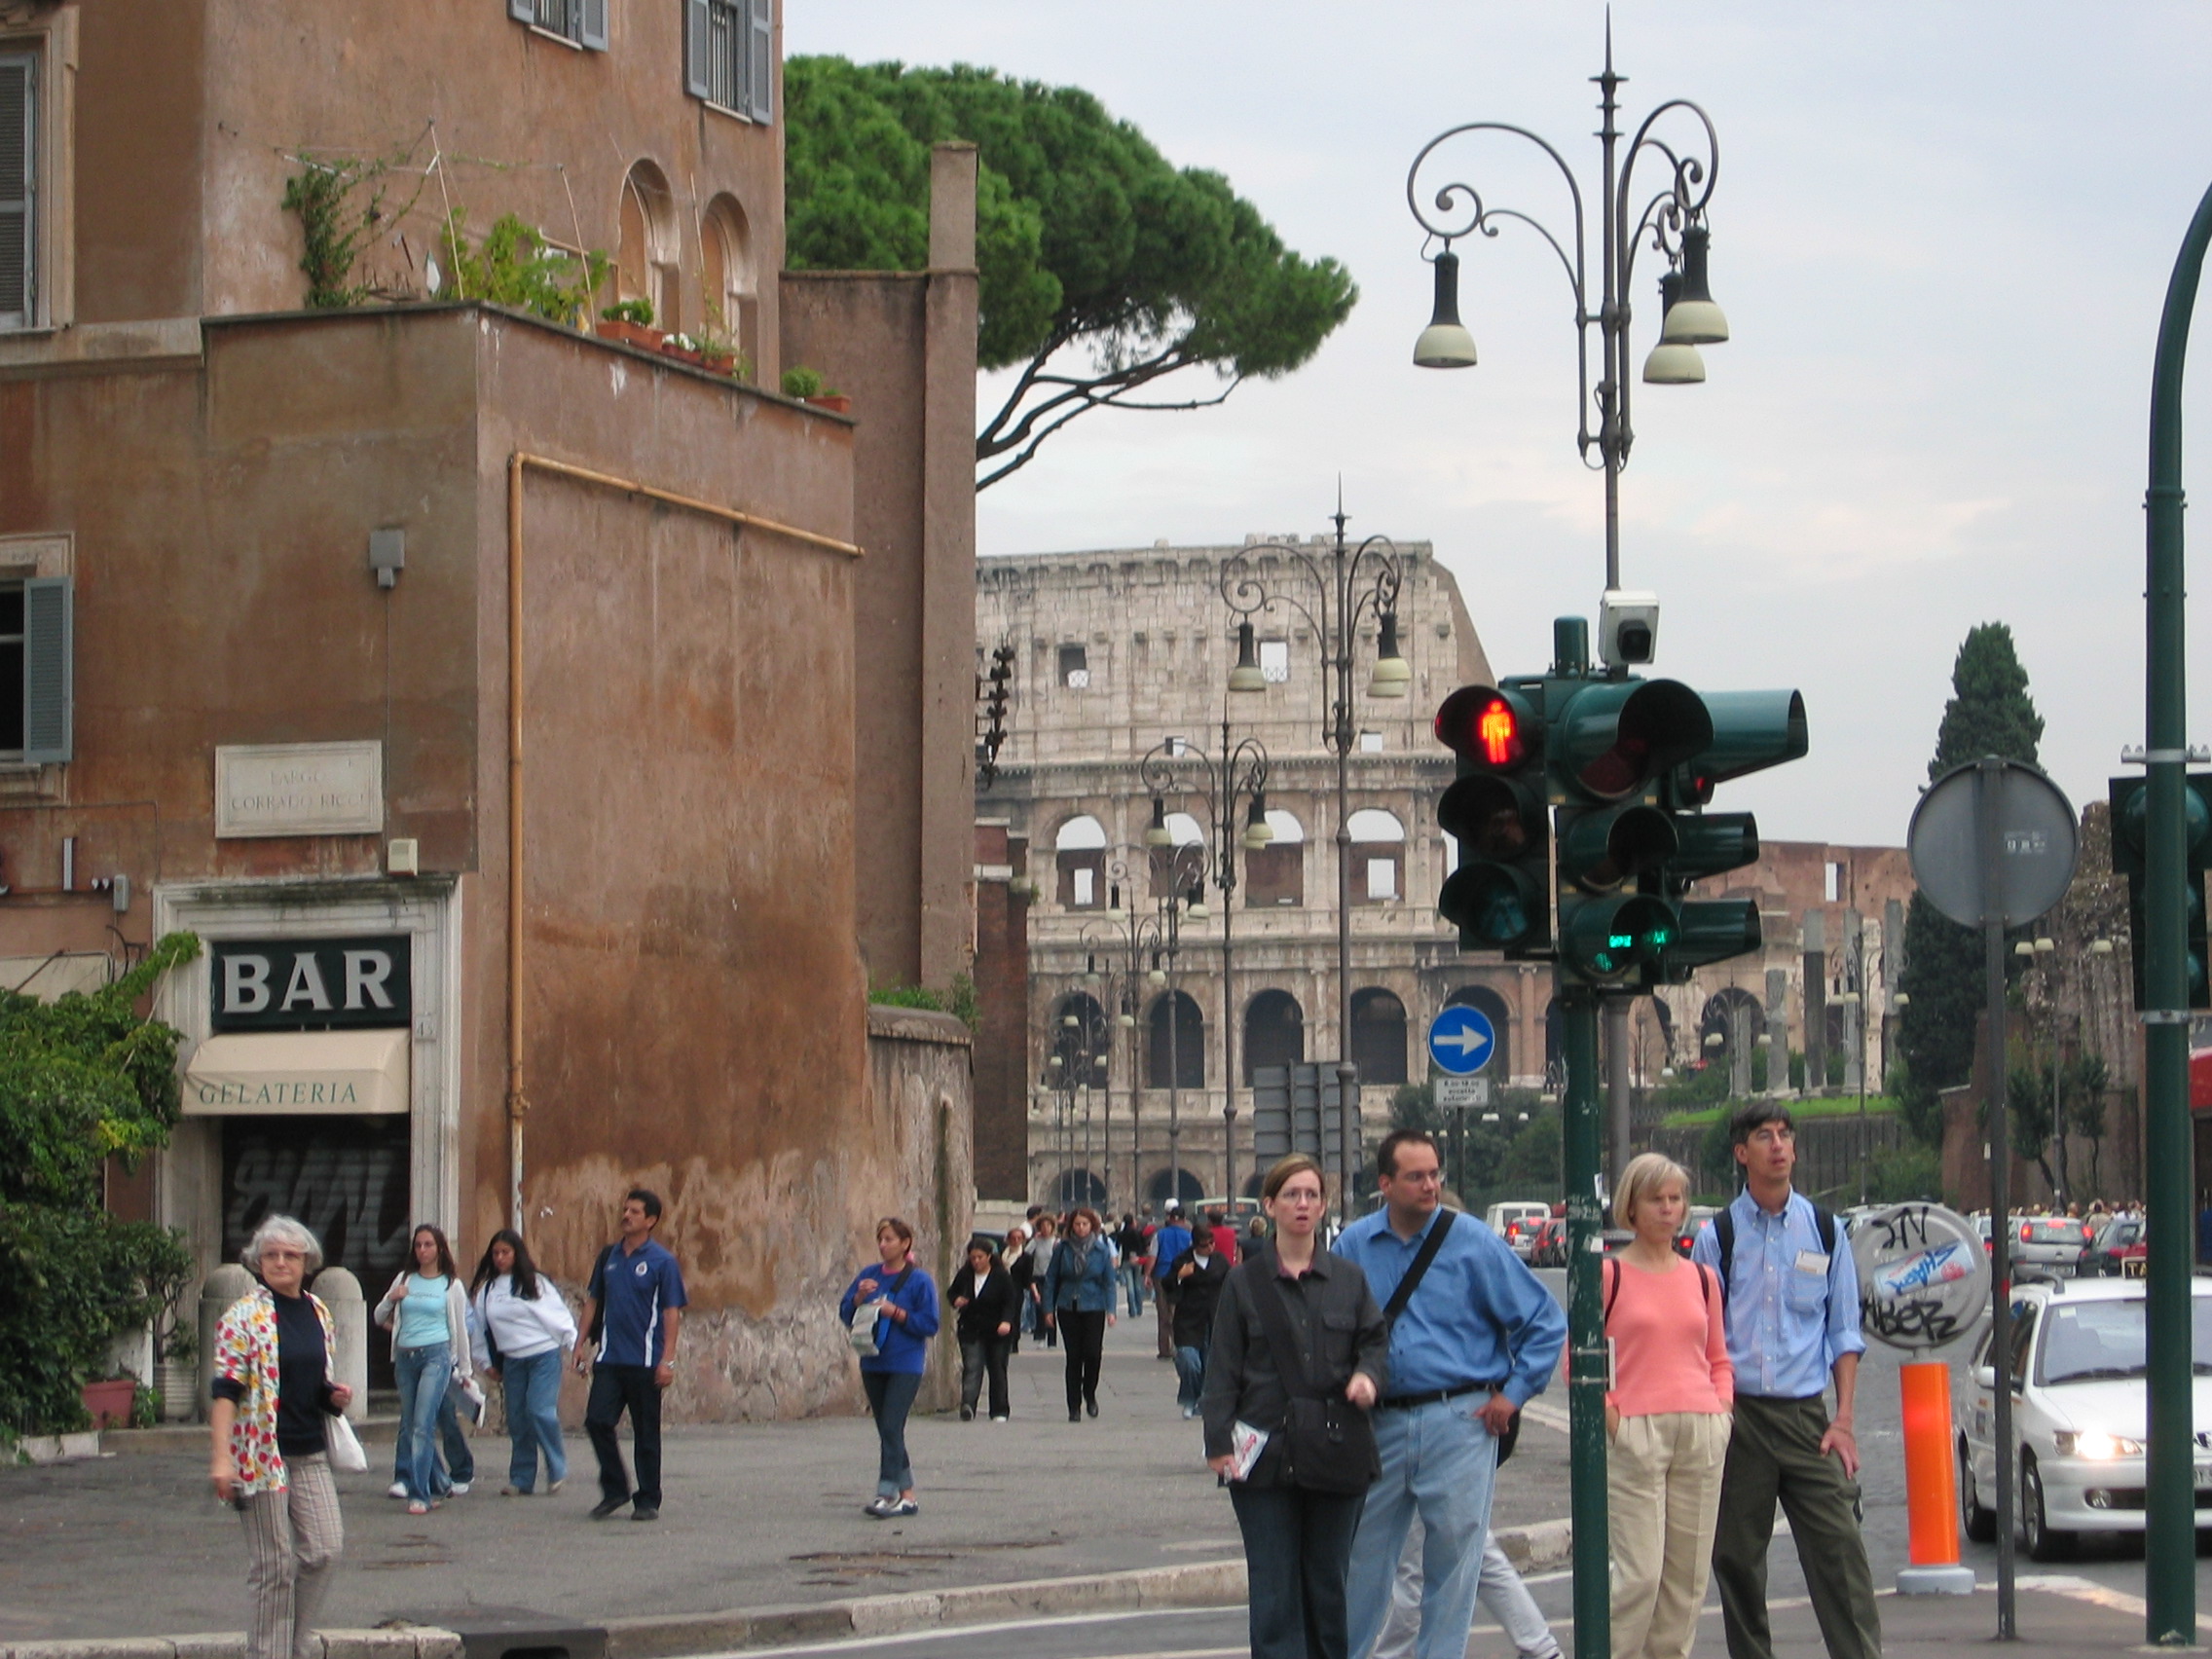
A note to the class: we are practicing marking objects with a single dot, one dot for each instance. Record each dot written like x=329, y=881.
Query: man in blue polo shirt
x=635, y=1300
x=1791, y=1309
x=1478, y=1338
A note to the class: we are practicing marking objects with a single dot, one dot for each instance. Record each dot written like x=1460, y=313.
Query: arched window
x=1482, y=997
x=729, y=293
x=1378, y=856
x=1081, y=1041
x=1181, y=1184
x=1719, y=1019
x=1177, y=1048
x=1182, y=863
x=647, y=257
x=1275, y=874
x=1080, y=1187
x=1275, y=1032
x=1378, y=1036
x=1081, y=849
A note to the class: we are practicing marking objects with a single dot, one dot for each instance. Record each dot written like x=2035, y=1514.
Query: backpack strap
x=1724, y=1235
x=1421, y=1259
x=1823, y=1221
x=1612, y=1288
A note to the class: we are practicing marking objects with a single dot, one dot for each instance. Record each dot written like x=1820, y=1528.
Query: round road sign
x=2034, y=838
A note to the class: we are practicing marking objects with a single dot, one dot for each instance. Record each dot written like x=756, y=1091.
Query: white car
x=1516, y=1222
x=2079, y=1406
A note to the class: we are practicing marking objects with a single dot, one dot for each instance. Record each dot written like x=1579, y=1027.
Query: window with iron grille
x=580, y=23
x=729, y=55
x=18, y=196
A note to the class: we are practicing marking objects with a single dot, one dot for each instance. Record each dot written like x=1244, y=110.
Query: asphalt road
x=1171, y=1634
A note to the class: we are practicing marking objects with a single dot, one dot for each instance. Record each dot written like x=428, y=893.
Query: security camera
x=1627, y=627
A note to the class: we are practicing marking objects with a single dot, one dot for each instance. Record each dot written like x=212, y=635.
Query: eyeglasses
x=1302, y=1195
x=1417, y=1177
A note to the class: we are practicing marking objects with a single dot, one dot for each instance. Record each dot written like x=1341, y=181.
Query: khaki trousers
x=1663, y=1500
x=293, y=1540
x=1775, y=1455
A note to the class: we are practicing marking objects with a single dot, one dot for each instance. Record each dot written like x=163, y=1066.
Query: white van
x=1513, y=1220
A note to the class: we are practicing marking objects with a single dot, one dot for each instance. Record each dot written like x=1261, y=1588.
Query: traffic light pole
x=1585, y=1322
x=2169, y=1548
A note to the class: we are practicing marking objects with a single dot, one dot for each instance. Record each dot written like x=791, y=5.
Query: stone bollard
x=341, y=1292
x=222, y=1287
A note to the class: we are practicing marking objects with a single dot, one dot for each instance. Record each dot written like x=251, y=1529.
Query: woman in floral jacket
x=271, y=1394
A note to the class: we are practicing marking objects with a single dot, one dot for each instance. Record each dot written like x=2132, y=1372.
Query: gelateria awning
x=296, y=1073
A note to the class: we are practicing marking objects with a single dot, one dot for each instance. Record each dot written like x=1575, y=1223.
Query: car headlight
x=2097, y=1446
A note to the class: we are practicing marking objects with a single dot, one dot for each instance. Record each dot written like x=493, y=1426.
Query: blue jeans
x=890, y=1397
x=533, y=1418
x=1132, y=1276
x=1190, y=1375
x=460, y=1460
x=1439, y=1461
x=1296, y=1544
x=423, y=1374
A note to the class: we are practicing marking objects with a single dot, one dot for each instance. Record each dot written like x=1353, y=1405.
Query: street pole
x=1585, y=1318
x=2169, y=1545
x=1618, y=1108
x=1225, y=879
x=1989, y=780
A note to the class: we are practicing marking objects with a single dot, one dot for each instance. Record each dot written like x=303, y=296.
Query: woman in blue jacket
x=1079, y=1299
x=900, y=1300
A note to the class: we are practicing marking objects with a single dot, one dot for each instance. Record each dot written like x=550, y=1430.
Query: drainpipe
x=518, y=1104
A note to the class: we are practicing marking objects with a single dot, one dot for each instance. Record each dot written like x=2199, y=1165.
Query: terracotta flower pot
x=108, y=1403
x=630, y=333
x=837, y=403
x=670, y=349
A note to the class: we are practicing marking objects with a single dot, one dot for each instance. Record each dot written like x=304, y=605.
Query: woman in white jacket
x=426, y=1311
x=527, y=1331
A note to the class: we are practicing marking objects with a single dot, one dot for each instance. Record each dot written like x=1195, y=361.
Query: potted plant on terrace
x=806, y=385
x=631, y=321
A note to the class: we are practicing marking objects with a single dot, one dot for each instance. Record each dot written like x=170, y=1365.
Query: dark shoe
x=967, y=1413
x=1075, y=1417
x=904, y=1506
x=1091, y=1406
x=606, y=1506
x=879, y=1508
x=645, y=1512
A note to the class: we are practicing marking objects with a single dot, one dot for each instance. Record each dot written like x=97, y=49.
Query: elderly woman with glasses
x=272, y=1395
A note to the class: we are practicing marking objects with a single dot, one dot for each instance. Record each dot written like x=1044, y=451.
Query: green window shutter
x=760, y=59
x=591, y=21
x=19, y=164
x=696, y=48
x=523, y=11
x=49, y=668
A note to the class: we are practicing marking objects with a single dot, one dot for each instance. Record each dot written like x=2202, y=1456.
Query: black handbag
x=1328, y=1443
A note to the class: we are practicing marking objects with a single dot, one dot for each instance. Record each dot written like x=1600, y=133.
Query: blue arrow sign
x=1461, y=1041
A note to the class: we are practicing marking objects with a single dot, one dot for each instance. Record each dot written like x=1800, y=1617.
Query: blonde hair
x=1644, y=1175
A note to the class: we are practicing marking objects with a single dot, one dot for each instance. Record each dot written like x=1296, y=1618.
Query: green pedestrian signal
x=2131, y=840
x=1499, y=895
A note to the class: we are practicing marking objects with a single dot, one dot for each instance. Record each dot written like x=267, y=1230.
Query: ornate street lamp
x=1357, y=582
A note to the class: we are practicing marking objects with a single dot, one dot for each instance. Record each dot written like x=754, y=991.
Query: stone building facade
x=1125, y=654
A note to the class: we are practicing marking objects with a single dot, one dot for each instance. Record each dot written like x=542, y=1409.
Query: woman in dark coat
x=1078, y=1303
x=1297, y=1542
x=985, y=1308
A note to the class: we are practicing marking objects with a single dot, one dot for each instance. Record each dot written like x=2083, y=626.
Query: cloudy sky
x=1942, y=235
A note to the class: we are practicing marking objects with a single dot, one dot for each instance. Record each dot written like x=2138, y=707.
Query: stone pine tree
x=1108, y=277
x=1990, y=713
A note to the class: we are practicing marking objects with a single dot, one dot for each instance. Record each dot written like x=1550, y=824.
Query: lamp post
x=1358, y=581
x=1674, y=219
x=1237, y=773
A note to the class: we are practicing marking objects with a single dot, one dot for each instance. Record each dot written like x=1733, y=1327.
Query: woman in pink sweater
x=1667, y=1417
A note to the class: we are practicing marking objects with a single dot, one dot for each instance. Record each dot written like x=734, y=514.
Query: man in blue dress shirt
x=1478, y=1339
x=1792, y=1318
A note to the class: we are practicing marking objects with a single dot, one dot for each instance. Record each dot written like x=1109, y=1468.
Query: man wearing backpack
x=1791, y=1303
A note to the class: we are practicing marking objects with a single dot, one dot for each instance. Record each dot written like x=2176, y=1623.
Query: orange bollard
x=1930, y=1480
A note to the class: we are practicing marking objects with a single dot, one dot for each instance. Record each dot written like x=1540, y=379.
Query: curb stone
x=1197, y=1584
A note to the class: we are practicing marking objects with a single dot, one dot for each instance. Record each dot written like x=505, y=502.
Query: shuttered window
x=19, y=164
x=583, y=22
x=729, y=55
x=35, y=669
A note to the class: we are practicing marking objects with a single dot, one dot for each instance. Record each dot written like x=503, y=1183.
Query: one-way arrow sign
x=1461, y=1041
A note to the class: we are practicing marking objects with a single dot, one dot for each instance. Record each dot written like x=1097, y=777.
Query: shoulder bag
x=1328, y=1443
x=1404, y=1294
x=339, y=1441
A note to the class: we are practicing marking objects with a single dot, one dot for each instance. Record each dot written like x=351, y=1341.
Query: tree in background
x=1104, y=269
x=1990, y=713
x=82, y=1078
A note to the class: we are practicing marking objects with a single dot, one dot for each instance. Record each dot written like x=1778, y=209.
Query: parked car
x=1693, y=1219
x=2120, y=1242
x=1548, y=1249
x=2053, y=1243
x=2079, y=1412
x=1515, y=1221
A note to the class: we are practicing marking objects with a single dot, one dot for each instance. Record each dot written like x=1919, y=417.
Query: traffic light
x=1613, y=742
x=2130, y=842
x=1499, y=897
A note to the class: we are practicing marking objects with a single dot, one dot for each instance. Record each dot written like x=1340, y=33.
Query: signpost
x=1993, y=844
x=1461, y=1041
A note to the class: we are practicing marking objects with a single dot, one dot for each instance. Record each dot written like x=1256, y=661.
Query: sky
x=1943, y=237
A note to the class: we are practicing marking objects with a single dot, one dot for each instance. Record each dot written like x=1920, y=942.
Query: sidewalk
x=2058, y=1617
x=759, y=1516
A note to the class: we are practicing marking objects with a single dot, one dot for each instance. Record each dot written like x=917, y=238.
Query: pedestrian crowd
x=1357, y=1395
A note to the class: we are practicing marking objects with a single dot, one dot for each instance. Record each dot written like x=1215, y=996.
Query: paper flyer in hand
x=1246, y=1444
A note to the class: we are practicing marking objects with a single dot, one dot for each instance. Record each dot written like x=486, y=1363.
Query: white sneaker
x=459, y=1489
x=397, y=1488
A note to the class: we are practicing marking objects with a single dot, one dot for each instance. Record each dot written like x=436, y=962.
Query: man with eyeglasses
x=1477, y=1339
x=1790, y=1299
